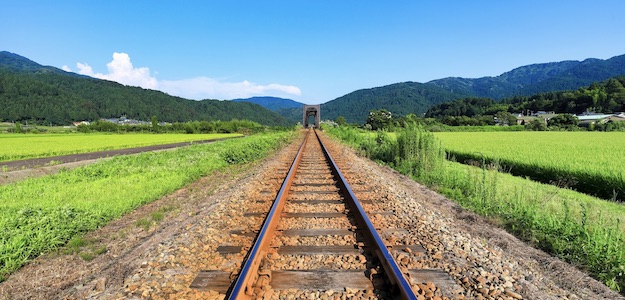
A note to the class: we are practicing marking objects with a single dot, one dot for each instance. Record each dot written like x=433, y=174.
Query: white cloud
x=208, y=88
x=121, y=70
x=66, y=68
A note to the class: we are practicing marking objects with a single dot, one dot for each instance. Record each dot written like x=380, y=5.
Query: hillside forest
x=54, y=99
x=602, y=97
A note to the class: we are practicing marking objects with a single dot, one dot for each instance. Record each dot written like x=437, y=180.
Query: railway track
x=317, y=240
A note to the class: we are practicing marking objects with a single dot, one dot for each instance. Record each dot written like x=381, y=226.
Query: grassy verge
x=580, y=229
x=23, y=146
x=39, y=215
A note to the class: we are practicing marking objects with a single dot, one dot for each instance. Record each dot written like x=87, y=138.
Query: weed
x=144, y=222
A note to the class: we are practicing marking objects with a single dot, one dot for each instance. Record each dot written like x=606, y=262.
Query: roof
x=592, y=117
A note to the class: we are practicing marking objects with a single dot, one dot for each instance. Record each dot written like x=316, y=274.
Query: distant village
x=585, y=119
x=119, y=121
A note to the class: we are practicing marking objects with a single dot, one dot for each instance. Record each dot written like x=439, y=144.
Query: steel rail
x=244, y=285
x=391, y=269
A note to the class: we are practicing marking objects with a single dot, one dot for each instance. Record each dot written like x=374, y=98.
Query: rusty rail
x=249, y=275
x=372, y=238
x=244, y=285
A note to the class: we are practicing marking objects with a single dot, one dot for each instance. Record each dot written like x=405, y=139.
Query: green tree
x=155, y=126
x=505, y=118
x=536, y=125
x=563, y=121
x=18, y=127
x=379, y=119
x=340, y=120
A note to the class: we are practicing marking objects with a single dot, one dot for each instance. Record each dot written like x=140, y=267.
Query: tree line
x=601, y=97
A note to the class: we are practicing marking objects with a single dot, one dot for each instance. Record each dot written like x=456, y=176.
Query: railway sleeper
x=433, y=281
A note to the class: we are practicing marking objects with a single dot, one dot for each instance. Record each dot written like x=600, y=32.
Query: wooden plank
x=321, y=280
x=440, y=278
x=314, y=192
x=314, y=250
x=212, y=280
x=314, y=215
x=317, y=202
x=229, y=249
x=314, y=184
x=314, y=176
x=254, y=214
x=316, y=232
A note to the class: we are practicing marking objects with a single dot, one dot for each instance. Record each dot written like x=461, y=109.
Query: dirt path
x=46, y=161
x=160, y=262
x=13, y=171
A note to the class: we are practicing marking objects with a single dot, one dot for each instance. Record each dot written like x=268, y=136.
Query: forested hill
x=537, y=78
x=47, y=95
x=16, y=63
x=400, y=99
x=273, y=103
x=602, y=97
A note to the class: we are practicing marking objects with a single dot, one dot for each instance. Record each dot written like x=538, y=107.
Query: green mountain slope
x=272, y=103
x=289, y=109
x=537, y=78
x=47, y=95
x=400, y=99
x=605, y=97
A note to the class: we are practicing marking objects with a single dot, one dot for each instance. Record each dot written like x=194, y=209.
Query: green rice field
x=24, y=146
x=590, y=162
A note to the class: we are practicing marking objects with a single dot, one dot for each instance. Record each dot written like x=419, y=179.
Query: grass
x=39, y=215
x=583, y=230
x=590, y=162
x=154, y=218
x=87, y=249
x=24, y=146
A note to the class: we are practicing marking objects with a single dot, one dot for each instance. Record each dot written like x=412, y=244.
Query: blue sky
x=310, y=51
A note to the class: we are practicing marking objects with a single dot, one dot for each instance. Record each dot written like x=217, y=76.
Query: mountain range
x=413, y=97
x=30, y=91
x=537, y=78
x=48, y=95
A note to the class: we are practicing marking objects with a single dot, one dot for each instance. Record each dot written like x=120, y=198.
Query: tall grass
x=578, y=228
x=41, y=214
